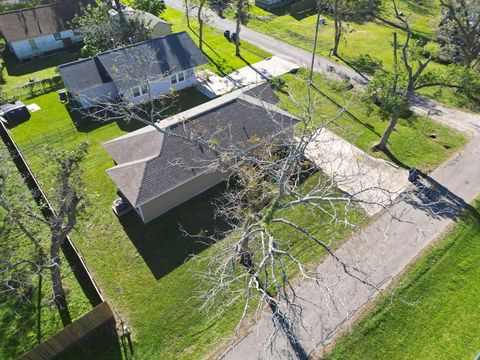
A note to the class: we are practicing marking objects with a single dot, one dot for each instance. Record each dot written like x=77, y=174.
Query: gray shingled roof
x=39, y=21
x=151, y=163
x=151, y=59
x=127, y=66
x=83, y=74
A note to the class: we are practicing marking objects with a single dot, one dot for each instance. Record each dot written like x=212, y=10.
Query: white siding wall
x=44, y=44
x=161, y=87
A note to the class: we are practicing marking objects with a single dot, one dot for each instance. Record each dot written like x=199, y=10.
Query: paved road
x=384, y=248
x=274, y=46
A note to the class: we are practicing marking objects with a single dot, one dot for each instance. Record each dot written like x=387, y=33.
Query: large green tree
x=459, y=31
x=103, y=31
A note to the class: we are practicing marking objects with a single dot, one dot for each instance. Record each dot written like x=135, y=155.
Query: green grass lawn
x=22, y=322
x=142, y=269
x=434, y=313
x=410, y=145
x=367, y=46
x=13, y=73
x=219, y=51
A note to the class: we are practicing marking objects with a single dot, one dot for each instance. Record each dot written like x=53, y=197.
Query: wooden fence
x=98, y=322
x=73, y=256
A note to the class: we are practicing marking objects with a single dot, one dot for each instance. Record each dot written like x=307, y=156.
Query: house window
x=140, y=90
x=57, y=36
x=190, y=73
x=181, y=77
x=173, y=79
x=32, y=44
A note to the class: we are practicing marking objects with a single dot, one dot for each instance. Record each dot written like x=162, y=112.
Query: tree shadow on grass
x=161, y=242
x=353, y=66
x=347, y=112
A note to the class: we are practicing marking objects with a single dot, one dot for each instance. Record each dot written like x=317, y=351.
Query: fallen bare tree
x=45, y=236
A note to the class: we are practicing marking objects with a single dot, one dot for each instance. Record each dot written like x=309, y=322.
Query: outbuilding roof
x=29, y=23
x=151, y=162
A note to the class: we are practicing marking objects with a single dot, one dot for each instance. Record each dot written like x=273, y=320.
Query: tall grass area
x=367, y=43
x=32, y=318
x=410, y=145
x=434, y=313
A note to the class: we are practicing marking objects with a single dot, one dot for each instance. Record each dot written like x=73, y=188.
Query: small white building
x=41, y=30
x=135, y=73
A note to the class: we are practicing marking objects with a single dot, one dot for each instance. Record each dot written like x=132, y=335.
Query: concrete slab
x=213, y=85
x=375, y=182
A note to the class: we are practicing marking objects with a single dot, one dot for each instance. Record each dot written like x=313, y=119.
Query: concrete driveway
x=375, y=182
x=213, y=85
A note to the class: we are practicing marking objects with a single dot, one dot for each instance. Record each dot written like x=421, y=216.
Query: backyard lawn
x=411, y=145
x=434, y=313
x=367, y=45
x=22, y=322
x=142, y=268
x=13, y=73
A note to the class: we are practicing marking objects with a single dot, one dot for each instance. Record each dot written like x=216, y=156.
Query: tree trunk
x=200, y=25
x=59, y=296
x=187, y=13
x=382, y=145
x=337, y=37
x=237, y=30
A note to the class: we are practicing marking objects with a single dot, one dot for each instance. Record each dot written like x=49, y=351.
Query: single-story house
x=159, y=27
x=134, y=73
x=41, y=30
x=158, y=170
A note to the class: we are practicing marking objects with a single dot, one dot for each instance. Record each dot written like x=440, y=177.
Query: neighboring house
x=158, y=170
x=134, y=73
x=272, y=4
x=158, y=26
x=41, y=30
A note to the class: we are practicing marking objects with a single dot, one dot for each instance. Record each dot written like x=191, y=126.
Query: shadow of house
x=162, y=243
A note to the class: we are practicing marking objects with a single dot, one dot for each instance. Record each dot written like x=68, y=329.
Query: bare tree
x=200, y=19
x=344, y=10
x=242, y=15
x=270, y=179
x=395, y=91
x=69, y=203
